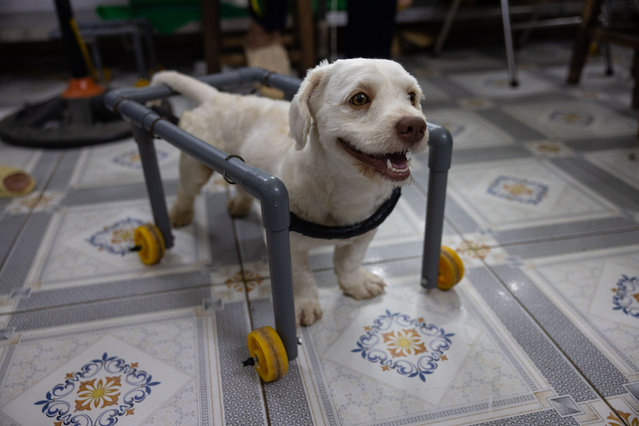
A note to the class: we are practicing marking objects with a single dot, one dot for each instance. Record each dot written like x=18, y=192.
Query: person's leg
x=369, y=33
x=269, y=14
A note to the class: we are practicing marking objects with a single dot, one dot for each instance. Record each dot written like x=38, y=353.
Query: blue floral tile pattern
x=626, y=298
x=101, y=392
x=512, y=188
x=116, y=239
x=523, y=193
x=109, y=383
x=615, y=295
x=408, y=346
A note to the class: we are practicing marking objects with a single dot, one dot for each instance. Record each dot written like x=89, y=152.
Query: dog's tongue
x=393, y=166
x=398, y=161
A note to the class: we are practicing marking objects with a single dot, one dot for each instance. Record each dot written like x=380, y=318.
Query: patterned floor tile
x=475, y=104
x=622, y=163
x=180, y=366
x=523, y=193
x=93, y=383
x=468, y=129
x=587, y=301
x=548, y=149
x=413, y=356
x=399, y=340
x=35, y=202
x=119, y=163
x=572, y=120
x=495, y=84
x=91, y=244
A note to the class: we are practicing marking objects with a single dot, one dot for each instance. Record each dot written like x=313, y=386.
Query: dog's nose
x=411, y=129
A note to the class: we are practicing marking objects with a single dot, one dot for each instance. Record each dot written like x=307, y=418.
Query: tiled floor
x=543, y=207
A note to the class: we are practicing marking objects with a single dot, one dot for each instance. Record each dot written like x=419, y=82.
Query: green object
x=166, y=16
x=341, y=4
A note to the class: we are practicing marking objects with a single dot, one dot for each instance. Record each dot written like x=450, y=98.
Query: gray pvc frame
x=268, y=189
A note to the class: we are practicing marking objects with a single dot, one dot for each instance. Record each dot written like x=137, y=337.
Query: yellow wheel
x=451, y=269
x=149, y=242
x=266, y=347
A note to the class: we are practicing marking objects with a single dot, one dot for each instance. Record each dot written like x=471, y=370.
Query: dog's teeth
x=390, y=167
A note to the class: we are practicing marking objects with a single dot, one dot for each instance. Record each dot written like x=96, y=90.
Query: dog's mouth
x=394, y=166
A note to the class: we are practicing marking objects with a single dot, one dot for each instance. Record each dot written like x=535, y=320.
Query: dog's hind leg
x=193, y=175
x=240, y=204
x=356, y=281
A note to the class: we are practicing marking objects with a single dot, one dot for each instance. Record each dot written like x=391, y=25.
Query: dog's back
x=253, y=127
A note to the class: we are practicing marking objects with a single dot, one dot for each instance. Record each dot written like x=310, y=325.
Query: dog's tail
x=187, y=86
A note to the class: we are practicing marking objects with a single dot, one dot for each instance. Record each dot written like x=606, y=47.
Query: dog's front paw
x=363, y=284
x=180, y=216
x=307, y=311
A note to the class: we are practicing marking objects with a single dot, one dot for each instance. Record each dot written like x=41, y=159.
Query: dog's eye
x=413, y=98
x=359, y=99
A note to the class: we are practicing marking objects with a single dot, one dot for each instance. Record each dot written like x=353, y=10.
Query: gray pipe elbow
x=274, y=201
x=440, y=148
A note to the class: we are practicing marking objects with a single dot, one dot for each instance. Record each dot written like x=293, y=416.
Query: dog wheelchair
x=270, y=349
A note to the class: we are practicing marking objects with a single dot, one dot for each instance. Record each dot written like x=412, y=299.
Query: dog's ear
x=300, y=117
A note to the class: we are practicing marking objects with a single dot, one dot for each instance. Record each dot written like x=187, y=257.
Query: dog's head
x=364, y=113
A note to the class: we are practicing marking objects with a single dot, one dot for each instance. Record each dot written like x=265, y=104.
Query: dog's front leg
x=355, y=280
x=307, y=306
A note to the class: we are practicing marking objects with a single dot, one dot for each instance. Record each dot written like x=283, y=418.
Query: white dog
x=352, y=124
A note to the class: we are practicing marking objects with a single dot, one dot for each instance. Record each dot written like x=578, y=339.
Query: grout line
x=558, y=238
x=571, y=237
x=108, y=299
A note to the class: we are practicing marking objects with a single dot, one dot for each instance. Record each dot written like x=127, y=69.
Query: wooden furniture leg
x=583, y=39
x=304, y=31
x=212, y=35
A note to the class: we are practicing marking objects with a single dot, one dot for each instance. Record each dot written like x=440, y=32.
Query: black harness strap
x=315, y=230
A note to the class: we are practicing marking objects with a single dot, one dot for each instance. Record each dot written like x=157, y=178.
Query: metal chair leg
x=508, y=40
